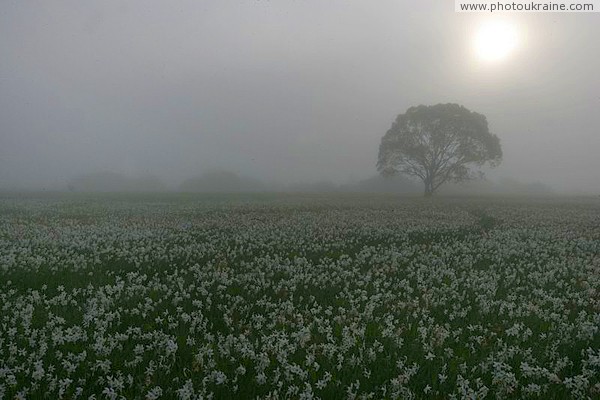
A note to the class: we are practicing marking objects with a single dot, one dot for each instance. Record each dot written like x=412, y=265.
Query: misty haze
x=309, y=199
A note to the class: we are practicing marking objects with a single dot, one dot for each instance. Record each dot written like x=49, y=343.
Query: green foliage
x=438, y=144
x=331, y=297
x=484, y=220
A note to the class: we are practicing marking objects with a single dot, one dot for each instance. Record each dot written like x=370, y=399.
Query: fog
x=282, y=92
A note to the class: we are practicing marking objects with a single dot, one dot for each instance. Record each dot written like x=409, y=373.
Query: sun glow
x=495, y=40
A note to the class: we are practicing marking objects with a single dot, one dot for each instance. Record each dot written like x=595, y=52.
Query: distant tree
x=438, y=144
x=221, y=181
x=114, y=182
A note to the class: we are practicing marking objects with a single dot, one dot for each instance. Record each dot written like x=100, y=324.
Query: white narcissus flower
x=298, y=297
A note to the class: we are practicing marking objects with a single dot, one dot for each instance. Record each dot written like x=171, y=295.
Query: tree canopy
x=438, y=144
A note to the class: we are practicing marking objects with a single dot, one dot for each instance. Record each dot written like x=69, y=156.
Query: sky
x=282, y=90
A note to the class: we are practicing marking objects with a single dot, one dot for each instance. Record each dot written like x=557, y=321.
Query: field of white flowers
x=331, y=297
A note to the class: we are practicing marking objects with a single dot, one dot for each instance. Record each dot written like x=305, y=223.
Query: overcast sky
x=281, y=90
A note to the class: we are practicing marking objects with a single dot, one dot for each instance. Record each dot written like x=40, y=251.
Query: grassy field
x=290, y=296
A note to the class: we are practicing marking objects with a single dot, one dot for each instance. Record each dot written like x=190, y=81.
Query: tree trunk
x=428, y=188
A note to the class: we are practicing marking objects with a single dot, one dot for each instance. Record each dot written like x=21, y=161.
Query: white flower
x=154, y=393
x=261, y=378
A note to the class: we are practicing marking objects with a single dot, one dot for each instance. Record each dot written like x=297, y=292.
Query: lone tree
x=438, y=144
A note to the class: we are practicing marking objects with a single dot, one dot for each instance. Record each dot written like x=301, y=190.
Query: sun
x=495, y=40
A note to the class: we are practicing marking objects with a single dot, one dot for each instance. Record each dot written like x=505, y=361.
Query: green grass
x=342, y=265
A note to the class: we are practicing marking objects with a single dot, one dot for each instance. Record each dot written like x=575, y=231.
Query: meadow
x=299, y=297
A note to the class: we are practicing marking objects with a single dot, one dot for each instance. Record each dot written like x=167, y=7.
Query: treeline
x=221, y=181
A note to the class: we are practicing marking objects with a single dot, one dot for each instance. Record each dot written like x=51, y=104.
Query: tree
x=438, y=144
